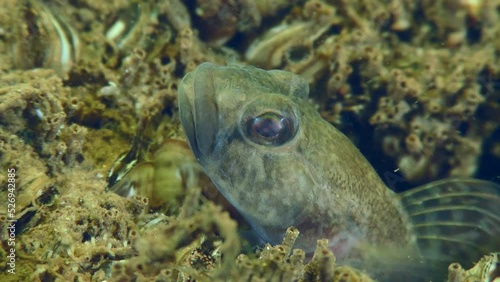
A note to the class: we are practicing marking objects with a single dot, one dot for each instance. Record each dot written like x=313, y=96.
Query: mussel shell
x=139, y=26
x=44, y=40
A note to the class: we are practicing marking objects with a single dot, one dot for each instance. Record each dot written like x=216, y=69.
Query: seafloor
x=414, y=84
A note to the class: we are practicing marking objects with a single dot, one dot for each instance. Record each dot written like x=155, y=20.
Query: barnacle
x=486, y=270
x=300, y=46
x=163, y=181
x=139, y=26
x=283, y=263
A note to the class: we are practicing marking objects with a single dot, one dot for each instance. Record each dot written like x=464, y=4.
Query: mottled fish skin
x=310, y=176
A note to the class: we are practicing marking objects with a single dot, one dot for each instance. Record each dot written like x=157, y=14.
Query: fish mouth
x=198, y=110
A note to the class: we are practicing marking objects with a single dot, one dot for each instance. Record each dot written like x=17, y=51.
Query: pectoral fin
x=455, y=220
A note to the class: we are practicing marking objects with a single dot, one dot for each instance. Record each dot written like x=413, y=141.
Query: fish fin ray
x=464, y=225
x=456, y=219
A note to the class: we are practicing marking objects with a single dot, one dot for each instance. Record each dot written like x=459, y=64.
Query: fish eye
x=270, y=129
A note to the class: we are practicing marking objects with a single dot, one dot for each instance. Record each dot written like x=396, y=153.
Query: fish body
x=280, y=164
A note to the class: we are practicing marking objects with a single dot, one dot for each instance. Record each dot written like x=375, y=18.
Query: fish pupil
x=270, y=129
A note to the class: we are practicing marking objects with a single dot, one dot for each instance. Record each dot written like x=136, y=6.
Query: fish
x=272, y=156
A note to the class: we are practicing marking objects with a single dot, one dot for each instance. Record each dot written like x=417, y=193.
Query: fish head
x=244, y=126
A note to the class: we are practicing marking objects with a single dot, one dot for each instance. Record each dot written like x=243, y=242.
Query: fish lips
x=198, y=109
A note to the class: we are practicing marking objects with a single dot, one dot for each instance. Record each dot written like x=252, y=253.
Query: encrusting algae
x=414, y=85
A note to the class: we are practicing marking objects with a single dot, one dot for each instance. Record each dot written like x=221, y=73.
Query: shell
x=300, y=46
x=163, y=180
x=43, y=40
x=144, y=25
